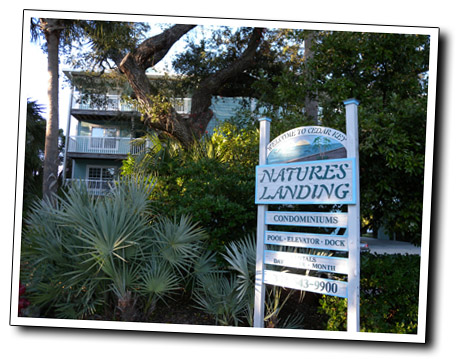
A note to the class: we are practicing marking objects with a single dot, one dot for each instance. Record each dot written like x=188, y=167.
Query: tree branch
x=153, y=50
x=213, y=82
x=148, y=54
x=202, y=97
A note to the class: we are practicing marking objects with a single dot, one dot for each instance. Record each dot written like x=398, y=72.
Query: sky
x=35, y=82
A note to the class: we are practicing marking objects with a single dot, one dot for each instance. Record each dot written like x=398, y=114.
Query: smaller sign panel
x=330, y=181
x=307, y=219
x=306, y=240
x=307, y=261
x=307, y=283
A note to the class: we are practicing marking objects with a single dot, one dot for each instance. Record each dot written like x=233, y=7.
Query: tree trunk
x=52, y=31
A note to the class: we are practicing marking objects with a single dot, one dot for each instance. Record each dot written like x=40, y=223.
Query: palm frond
x=158, y=280
x=178, y=241
x=216, y=295
x=241, y=256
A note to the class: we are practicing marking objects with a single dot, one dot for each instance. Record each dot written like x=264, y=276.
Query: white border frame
x=432, y=31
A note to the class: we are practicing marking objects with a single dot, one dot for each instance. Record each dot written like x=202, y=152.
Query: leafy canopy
x=388, y=73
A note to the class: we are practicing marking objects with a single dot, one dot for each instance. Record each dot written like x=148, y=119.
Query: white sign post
x=353, y=300
x=309, y=165
x=259, y=306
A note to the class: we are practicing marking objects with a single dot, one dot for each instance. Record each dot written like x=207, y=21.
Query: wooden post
x=259, y=306
x=353, y=300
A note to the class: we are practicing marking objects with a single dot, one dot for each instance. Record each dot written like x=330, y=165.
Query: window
x=104, y=138
x=99, y=178
x=182, y=105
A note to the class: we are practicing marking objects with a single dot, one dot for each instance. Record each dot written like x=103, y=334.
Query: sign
x=307, y=219
x=312, y=166
x=307, y=240
x=307, y=261
x=330, y=181
x=304, y=282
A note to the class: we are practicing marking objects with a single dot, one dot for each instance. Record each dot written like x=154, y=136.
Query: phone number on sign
x=319, y=285
x=306, y=283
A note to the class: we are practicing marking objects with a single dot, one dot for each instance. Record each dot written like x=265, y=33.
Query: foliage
x=107, y=41
x=216, y=294
x=34, y=152
x=281, y=87
x=89, y=257
x=212, y=182
x=91, y=45
x=35, y=145
x=388, y=74
x=112, y=257
x=228, y=294
x=241, y=257
x=217, y=48
x=389, y=289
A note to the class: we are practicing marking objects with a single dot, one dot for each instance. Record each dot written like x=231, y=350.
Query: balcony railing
x=105, y=103
x=116, y=103
x=106, y=145
x=94, y=187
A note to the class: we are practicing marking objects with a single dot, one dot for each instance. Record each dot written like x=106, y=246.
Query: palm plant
x=241, y=257
x=216, y=294
x=85, y=254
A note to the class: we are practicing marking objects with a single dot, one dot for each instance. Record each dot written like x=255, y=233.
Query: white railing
x=106, y=145
x=115, y=103
x=104, y=103
x=95, y=187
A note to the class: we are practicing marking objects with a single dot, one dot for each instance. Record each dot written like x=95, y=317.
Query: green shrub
x=389, y=295
x=213, y=181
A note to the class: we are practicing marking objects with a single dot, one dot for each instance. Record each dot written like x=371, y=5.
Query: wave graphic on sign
x=307, y=148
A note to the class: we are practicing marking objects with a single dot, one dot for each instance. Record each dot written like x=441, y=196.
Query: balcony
x=101, y=103
x=116, y=103
x=117, y=146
